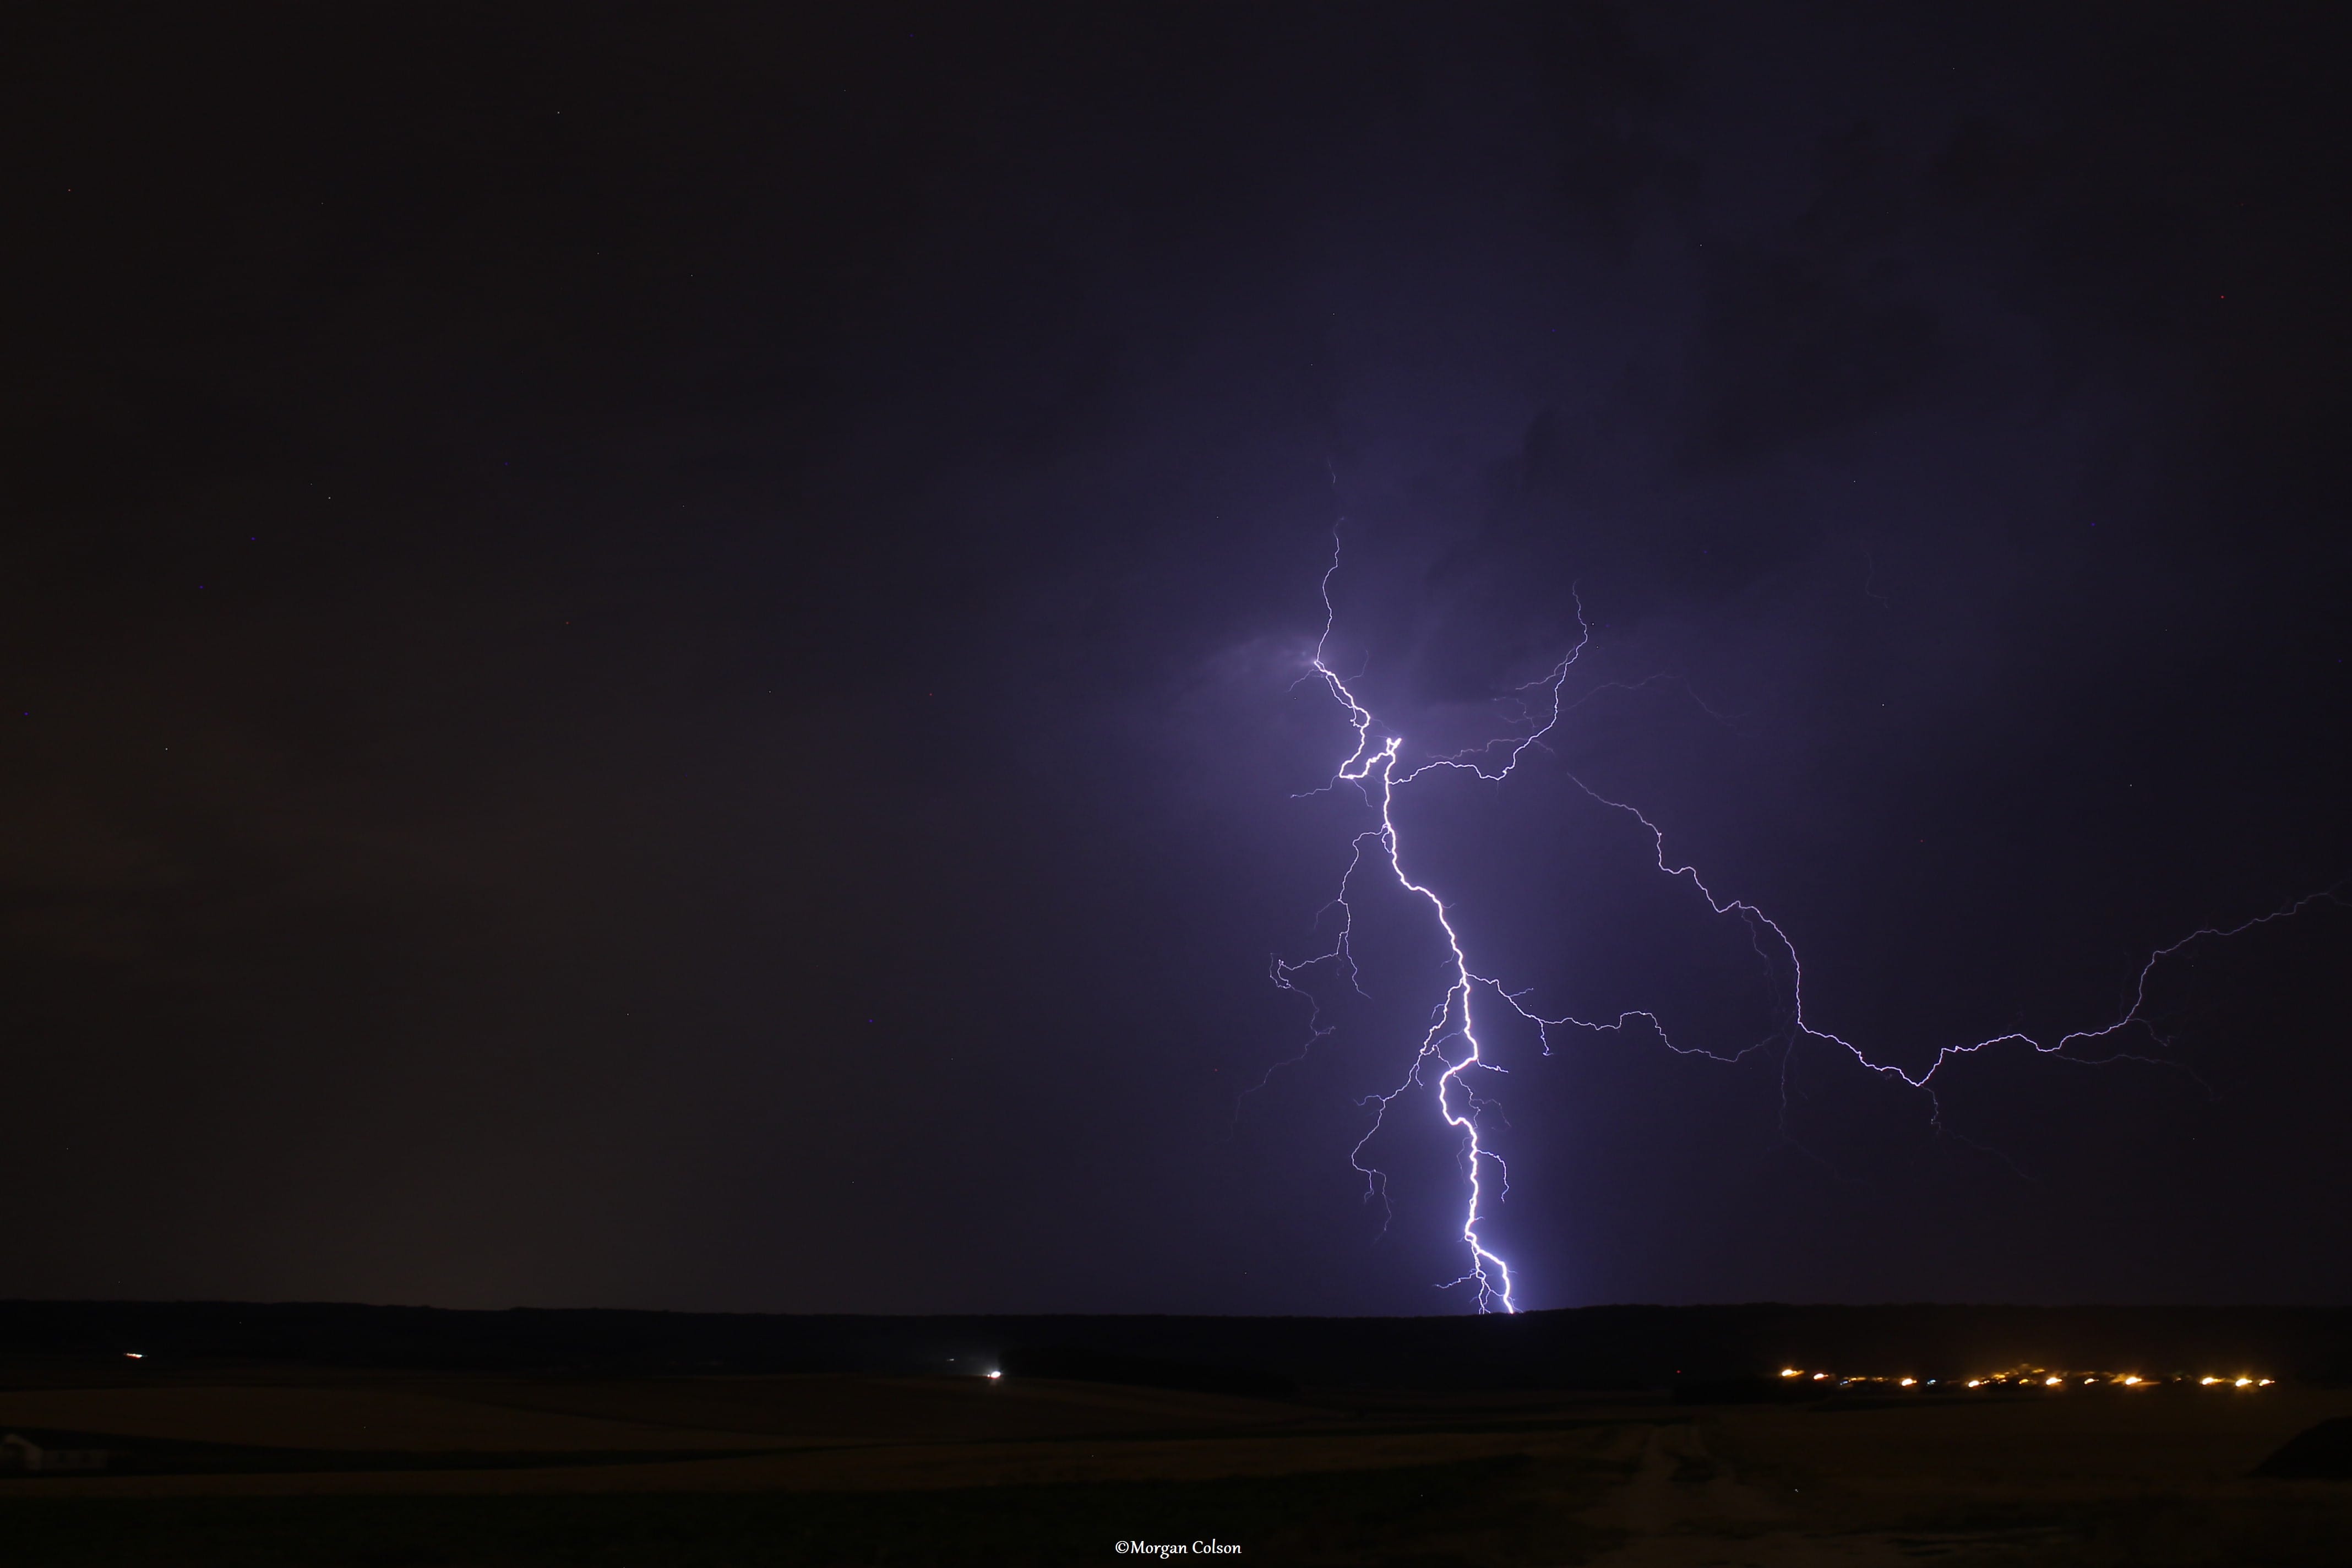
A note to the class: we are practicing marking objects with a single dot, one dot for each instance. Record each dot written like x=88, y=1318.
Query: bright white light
x=1791, y=1371
x=2131, y=1383
x=2209, y=1381
x=1976, y=1382
x=992, y=1377
x=2245, y=1383
x=1908, y=1381
x=136, y=1355
x=2051, y=1381
x=1820, y=1378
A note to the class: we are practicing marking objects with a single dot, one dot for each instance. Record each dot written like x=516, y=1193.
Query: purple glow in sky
x=1445, y=1075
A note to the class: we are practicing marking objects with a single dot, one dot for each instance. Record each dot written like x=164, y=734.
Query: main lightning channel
x=1450, y=1050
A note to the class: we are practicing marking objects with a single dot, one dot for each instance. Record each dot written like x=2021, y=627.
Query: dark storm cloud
x=724, y=597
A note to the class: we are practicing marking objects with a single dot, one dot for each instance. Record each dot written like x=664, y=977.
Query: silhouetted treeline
x=1592, y=1347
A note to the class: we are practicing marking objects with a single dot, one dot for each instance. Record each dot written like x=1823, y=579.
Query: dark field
x=212, y=1461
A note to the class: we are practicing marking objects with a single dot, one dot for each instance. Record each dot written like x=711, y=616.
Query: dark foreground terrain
x=335, y=1435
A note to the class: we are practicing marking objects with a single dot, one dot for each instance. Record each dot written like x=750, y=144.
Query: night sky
x=654, y=660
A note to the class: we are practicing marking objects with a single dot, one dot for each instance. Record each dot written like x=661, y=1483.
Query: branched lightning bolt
x=1450, y=1049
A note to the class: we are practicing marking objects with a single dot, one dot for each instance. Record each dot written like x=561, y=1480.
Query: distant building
x=18, y=1453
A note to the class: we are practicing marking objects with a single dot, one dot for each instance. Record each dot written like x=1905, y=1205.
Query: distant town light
x=2245, y=1383
x=2036, y=1377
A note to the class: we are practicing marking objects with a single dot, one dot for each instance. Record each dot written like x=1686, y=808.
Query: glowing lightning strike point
x=1373, y=770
